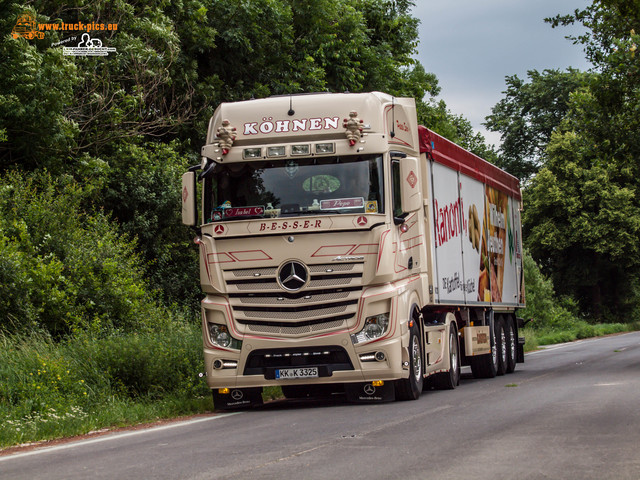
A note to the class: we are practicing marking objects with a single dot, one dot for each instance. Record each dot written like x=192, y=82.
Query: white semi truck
x=345, y=248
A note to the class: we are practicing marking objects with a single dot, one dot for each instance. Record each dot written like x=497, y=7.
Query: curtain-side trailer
x=344, y=248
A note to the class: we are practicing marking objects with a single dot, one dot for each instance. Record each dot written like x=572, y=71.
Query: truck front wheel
x=410, y=388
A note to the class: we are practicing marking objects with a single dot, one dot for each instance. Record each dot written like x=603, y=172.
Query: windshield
x=287, y=188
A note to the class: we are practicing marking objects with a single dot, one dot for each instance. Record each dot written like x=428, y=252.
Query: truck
x=346, y=249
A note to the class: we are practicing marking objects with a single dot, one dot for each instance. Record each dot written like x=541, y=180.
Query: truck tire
x=511, y=343
x=410, y=388
x=451, y=379
x=501, y=346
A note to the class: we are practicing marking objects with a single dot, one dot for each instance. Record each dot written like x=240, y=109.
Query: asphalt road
x=569, y=412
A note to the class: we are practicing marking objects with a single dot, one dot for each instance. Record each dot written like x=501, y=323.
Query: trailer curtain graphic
x=476, y=230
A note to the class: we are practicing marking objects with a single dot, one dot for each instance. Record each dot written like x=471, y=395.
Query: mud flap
x=520, y=350
x=237, y=398
x=367, y=393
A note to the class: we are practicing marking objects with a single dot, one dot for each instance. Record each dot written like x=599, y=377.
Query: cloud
x=472, y=46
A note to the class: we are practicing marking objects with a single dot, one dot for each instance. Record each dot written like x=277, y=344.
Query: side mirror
x=410, y=190
x=189, y=205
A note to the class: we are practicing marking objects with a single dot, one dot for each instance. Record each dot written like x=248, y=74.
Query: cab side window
x=397, y=199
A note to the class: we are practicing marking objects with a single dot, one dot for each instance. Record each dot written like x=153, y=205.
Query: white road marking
x=114, y=436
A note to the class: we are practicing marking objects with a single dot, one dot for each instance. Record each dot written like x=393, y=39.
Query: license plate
x=297, y=373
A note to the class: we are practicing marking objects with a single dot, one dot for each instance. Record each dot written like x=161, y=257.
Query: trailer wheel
x=511, y=343
x=451, y=379
x=410, y=388
x=501, y=346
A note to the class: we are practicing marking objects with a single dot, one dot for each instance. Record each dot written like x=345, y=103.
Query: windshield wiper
x=327, y=212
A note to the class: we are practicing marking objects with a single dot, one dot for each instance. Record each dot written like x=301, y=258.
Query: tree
x=125, y=126
x=582, y=210
x=528, y=114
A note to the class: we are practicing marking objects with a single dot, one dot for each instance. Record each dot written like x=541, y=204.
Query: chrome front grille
x=328, y=302
x=304, y=329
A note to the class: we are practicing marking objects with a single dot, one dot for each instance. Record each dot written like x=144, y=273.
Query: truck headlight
x=220, y=336
x=374, y=327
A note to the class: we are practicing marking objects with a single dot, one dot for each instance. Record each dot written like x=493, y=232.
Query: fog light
x=377, y=383
x=380, y=356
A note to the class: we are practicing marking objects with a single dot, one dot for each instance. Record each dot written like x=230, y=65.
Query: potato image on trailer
x=474, y=227
x=26, y=27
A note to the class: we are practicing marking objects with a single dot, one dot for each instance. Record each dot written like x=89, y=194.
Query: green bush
x=63, y=269
x=142, y=192
x=549, y=312
x=50, y=389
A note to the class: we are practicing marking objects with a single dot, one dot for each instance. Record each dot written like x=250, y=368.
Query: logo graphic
x=26, y=27
x=292, y=276
x=237, y=395
x=88, y=47
x=362, y=221
x=291, y=168
x=412, y=179
x=219, y=229
x=369, y=389
x=372, y=207
x=185, y=194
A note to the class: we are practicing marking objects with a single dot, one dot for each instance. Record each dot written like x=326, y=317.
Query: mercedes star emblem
x=237, y=394
x=369, y=389
x=292, y=276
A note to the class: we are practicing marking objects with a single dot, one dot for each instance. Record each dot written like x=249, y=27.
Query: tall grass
x=578, y=330
x=50, y=390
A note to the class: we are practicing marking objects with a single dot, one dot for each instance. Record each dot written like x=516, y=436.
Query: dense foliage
x=121, y=129
x=578, y=133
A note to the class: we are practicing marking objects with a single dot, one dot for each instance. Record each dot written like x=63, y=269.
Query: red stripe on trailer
x=453, y=156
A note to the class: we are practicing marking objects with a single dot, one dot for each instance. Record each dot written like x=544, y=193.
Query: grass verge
x=50, y=390
x=539, y=337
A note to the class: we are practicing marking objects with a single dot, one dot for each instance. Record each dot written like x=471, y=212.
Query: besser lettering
x=295, y=225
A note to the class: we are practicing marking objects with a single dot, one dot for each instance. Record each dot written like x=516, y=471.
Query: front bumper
x=337, y=360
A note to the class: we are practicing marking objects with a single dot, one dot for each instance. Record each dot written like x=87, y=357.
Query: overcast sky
x=472, y=45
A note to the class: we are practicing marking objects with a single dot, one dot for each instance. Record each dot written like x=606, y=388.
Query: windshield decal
x=332, y=204
x=243, y=211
